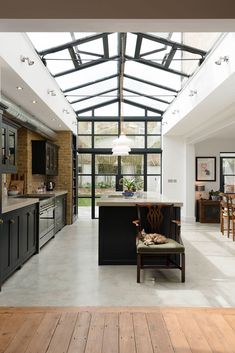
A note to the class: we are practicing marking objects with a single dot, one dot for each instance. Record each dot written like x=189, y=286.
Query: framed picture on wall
x=205, y=168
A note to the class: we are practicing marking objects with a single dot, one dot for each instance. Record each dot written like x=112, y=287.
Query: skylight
x=86, y=67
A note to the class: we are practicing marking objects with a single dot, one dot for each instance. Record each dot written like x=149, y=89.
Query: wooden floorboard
x=117, y=330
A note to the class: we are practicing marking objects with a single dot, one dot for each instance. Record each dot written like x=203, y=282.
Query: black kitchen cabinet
x=18, y=239
x=28, y=231
x=44, y=157
x=60, y=212
x=9, y=147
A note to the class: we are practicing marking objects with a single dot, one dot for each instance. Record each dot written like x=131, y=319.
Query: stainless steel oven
x=46, y=220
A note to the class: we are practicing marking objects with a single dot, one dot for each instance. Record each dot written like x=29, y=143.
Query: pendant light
x=122, y=143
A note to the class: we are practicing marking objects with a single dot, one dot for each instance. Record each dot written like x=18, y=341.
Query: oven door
x=46, y=222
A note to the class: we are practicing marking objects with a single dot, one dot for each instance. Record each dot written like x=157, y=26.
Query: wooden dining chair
x=226, y=213
x=232, y=215
x=158, y=218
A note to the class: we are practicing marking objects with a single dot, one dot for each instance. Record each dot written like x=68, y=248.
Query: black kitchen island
x=117, y=234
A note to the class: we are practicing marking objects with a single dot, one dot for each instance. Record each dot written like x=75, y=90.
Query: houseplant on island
x=130, y=186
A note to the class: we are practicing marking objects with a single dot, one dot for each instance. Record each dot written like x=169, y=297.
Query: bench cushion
x=171, y=247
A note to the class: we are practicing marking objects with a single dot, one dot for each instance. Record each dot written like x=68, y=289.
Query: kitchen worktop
x=53, y=193
x=117, y=199
x=12, y=203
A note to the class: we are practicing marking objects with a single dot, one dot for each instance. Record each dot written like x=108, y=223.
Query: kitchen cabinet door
x=10, y=244
x=18, y=239
x=28, y=231
x=44, y=158
x=9, y=148
x=60, y=212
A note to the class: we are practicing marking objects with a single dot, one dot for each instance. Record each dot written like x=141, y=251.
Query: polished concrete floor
x=65, y=273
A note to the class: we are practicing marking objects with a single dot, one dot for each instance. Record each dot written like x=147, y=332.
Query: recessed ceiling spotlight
x=51, y=92
x=19, y=88
x=60, y=125
x=221, y=59
x=53, y=119
x=34, y=101
x=26, y=59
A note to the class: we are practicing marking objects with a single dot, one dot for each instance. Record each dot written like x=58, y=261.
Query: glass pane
x=131, y=110
x=87, y=74
x=149, y=46
x=148, y=73
x=106, y=164
x=134, y=128
x=153, y=127
x=104, y=141
x=59, y=61
x=4, y=151
x=108, y=110
x=105, y=184
x=229, y=184
x=84, y=185
x=93, y=46
x=11, y=147
x=229, y=166
x=137, y=141
x=84, y=142
x=92, y=89
x=153, y=183
x=148, y=89
x=148, y=102
x=93, y=101
x=154, y=141
x=113, y=44
x=84, y=127
x=131, y=44
x=133, y=164
x=45, y=40
x=153, y=163
x=103, y=127
x=84, y=163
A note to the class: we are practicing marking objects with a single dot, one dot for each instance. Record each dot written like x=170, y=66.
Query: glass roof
x=87, y=67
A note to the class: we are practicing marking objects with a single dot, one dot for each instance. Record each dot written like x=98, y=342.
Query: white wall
x=212, y=148
x=178, y=174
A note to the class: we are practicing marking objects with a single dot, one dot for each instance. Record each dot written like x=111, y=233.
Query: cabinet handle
x=1, y=221
x=12, y=221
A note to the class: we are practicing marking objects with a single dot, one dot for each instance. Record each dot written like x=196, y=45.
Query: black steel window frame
x=222, y=175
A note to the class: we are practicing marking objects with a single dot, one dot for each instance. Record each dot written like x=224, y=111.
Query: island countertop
x=117, y=199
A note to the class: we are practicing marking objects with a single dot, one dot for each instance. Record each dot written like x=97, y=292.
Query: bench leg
x=183, y=268
x=138, y=267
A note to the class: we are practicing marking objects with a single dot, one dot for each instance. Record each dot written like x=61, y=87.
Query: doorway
x=100, y=174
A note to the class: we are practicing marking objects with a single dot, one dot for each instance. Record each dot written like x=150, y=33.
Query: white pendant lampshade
x=121, y=146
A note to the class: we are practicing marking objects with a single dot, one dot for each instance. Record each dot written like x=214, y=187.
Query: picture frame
x=205, y=168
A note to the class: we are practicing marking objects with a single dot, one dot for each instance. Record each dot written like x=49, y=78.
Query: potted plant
x=214, y=195
x=130, y=185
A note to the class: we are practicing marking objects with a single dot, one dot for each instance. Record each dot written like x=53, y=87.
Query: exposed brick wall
x=32, y=181
x=24, y=160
